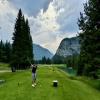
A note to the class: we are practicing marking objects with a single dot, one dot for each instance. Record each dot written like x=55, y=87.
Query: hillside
x=18, y=86
x=40, y=52
x=68, y=47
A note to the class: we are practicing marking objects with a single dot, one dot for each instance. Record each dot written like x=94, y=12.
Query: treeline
x=19, y=54
x=89, y=24
x=88, y=62
x=22, y=46
x=44, y=60
x=5, y=51
x=70, y=61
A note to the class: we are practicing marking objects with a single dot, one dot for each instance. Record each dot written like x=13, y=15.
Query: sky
x=50, y=20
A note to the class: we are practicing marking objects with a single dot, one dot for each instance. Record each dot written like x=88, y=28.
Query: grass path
x=18, y=87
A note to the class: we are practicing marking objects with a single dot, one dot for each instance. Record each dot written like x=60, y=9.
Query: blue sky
x=50, y=20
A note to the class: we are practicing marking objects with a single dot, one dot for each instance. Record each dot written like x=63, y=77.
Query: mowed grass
x=18, y=86
x=4, y=66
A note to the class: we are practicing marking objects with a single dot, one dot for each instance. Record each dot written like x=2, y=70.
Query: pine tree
x=7, y=49
x=89, y=24
x=1, y=51
x=29, y=42
x=43, y=60
x=48, y=61
x=22, y=49
x=5, y=52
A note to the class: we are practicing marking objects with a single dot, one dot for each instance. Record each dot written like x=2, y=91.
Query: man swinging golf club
x=34, y=68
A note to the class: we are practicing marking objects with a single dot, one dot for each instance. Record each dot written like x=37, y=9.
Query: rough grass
x=92, y=82
x=4, y=66
x=18, y=86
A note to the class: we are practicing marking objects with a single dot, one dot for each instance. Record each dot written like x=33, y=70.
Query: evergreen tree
x=58, y=59
x=7, y=49
x=89, y=24
x=43, y=60
x=22, y=49
x=5, y=52
x=29, y=42
x=1, y=51
x=48, y=61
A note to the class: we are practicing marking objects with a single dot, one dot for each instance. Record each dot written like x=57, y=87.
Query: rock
x=68, y=47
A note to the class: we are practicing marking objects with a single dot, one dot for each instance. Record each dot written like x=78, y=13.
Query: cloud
x=44, y=28
x=50, y=20
x=31, y=7
x=7, y=17
x=57, y=22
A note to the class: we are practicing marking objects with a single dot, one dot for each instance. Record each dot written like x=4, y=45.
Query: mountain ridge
x=68, y=47
x=40, y=52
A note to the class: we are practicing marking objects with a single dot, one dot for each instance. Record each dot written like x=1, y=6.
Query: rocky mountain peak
x=68, y=47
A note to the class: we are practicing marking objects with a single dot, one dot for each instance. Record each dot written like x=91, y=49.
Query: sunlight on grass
x=18, y=86
x=4, y=66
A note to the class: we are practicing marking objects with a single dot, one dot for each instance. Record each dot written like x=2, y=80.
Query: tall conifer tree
x=22, y=48
x=89, y=24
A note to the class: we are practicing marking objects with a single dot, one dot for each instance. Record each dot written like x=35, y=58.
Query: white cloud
x=44, y=28
x=47, y=28
x=58, y=22
x=7, y=17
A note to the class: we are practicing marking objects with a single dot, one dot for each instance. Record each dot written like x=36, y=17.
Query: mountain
x=68, y=47
x=40, y=52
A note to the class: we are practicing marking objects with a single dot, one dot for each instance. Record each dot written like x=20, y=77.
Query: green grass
x=4, y=66
x=18, y=86
x=92, y=82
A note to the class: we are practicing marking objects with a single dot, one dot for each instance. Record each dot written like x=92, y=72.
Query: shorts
x=33, y=76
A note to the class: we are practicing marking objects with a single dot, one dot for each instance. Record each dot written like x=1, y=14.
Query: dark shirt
x=34, y=69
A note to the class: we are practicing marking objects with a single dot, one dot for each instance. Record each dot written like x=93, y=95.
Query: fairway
x=18, y=86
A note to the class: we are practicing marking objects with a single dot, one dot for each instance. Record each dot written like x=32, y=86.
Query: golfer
x=34, y=68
